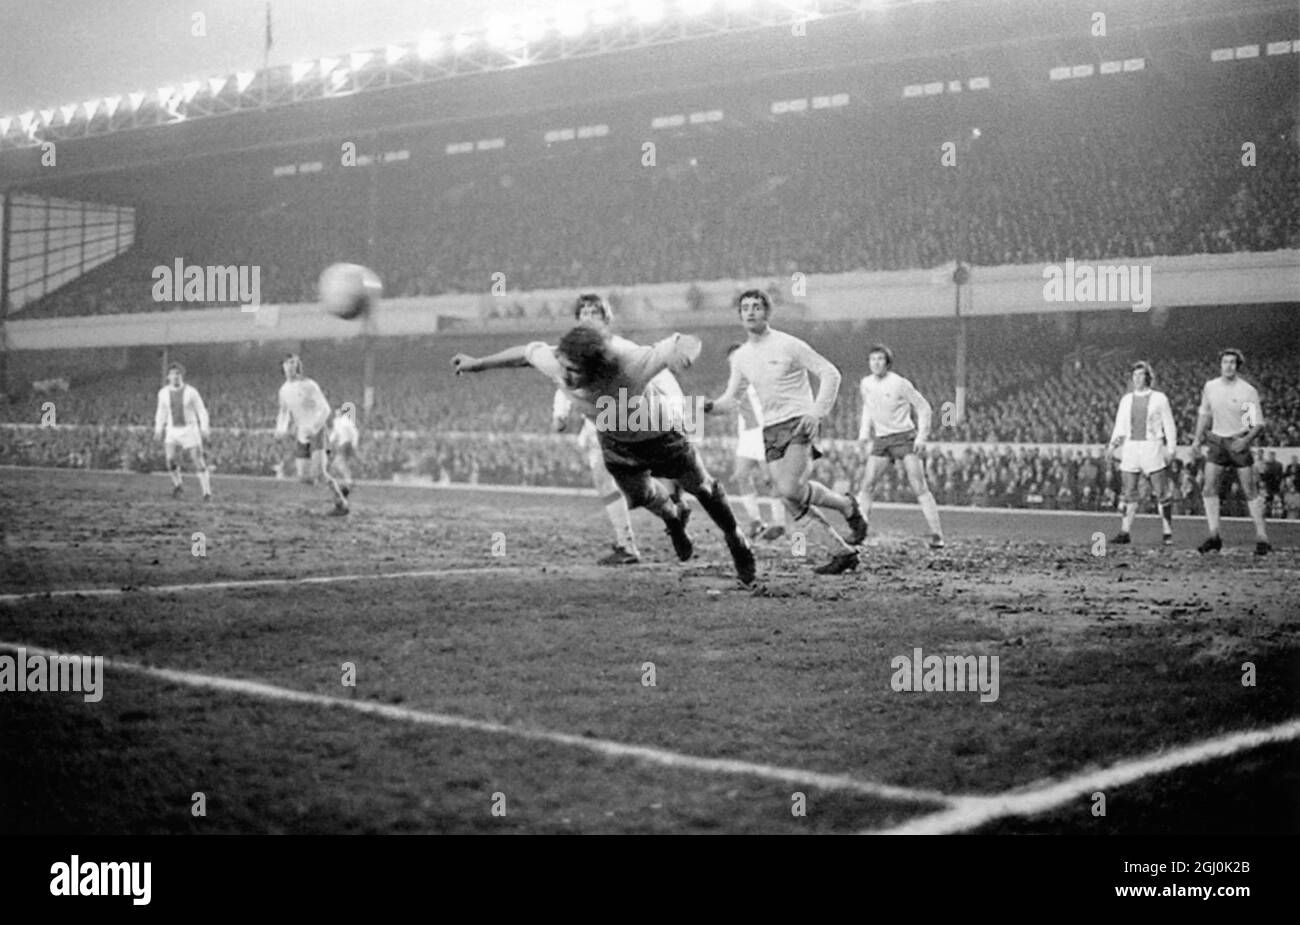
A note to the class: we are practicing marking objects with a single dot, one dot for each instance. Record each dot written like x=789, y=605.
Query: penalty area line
x=970, y=812
x=607, y=748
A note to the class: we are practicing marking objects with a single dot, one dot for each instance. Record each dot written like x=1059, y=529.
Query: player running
x=593, y=310
x=1144, y=424
x=181, y=422
x=751, y=476
x=341, y=446
x=1230, y=409
x=642, y=435
x=889, y=402
x=304, y=412
x=777, y=366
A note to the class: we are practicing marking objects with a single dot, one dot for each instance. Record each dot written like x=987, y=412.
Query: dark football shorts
x=894, y=446
x=1220, y=453
x=306, y=448
x=777, y=438
x=669, y=456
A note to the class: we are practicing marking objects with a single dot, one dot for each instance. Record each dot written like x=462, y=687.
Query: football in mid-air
x=349, y=290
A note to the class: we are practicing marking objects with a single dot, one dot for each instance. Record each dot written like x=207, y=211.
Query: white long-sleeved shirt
x=1156, y=423
x=777, y=365
x=639, y=369
x=302, y=406
x=887, y=404
x=194, y=413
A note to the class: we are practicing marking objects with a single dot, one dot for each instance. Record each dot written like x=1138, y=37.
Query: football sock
x=816, y=528
x=930, y=508
x=821, y=496
x=205, y=480
x=717, y=506
x=750, y=503
x=1130, y=511
x=1212, y=514
x=1256, y=507
x=174, y=469
x=864, y=504
x=778, y=511
x=1166, y=521
x=616, y=511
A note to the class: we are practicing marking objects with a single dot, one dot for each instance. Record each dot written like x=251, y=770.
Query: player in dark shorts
x=599, y=373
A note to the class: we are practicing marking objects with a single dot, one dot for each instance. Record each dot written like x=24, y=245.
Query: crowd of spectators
x=1034, y=184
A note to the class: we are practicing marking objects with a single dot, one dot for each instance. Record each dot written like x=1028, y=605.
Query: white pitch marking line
x=458, y=572
x=605, y=747
x=969, y=812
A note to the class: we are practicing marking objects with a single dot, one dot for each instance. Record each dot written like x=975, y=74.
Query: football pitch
x=453, y=661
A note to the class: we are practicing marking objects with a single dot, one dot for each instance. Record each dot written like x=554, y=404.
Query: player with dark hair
x=642, y=434
x=1230, y=410
x=889, y=405
x=303, y=409
x=181, y=422
x=777, y=366
x=1144, y=426
x=592, y=309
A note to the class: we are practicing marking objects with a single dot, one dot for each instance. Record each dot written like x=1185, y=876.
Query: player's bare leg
x=1210, y=497
x=201, y=470
x=915, y=472
x=1130, y=489
x=803, y=497
x=1255, y=505
x=173, y=468
x=625, y=551
x=876, y=467
x=1163, y=487
x=340, y=499
x=743, y=478
x=767, y=488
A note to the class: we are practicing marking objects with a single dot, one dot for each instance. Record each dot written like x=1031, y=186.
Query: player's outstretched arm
x=505, y=359
x=729, y=400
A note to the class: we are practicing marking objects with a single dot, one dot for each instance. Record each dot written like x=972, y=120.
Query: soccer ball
x=349, y=290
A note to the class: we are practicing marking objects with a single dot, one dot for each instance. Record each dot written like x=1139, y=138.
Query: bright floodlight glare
x=570, y=20
x=430, y=46
x=462, y=42
x=111, y=103
x=739, y=5
x=89, y=108
x=47, y=116
x=189, y=88
x=165, y=94
x=327, y=65
x=695, y=7
x=135, y=99
x=216, y=84
x=603, y=15
x=68, y=113
x=4, y=125
x=300, y=69
x=359, y=59
x=243, y=79
x=502, y=32
x=394, y=53
x=646, y=11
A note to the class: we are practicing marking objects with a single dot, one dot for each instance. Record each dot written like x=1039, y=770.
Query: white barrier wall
x=1210, y=279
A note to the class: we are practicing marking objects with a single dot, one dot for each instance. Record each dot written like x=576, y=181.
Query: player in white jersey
x=592, y=309
x=181, y=422
x=304, y=412
x=1144, y=426
x=642, y=433
x=1230, y=410
x=751, y=476
x=889, y=402
x=777, y=366
x=341, y=445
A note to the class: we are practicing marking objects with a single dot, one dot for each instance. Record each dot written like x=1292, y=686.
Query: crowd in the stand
x=975, y=476
x=1032, y=187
